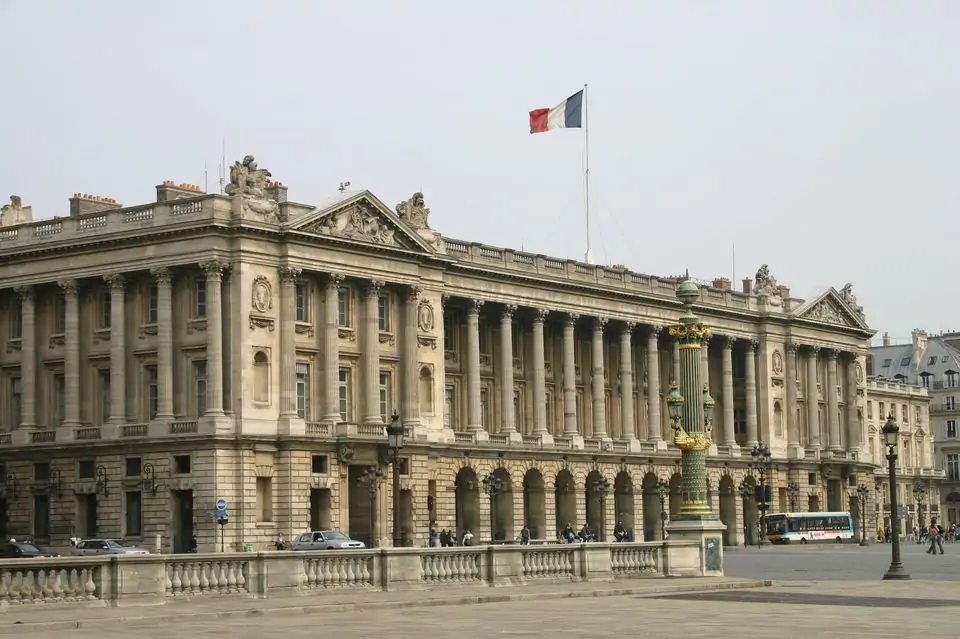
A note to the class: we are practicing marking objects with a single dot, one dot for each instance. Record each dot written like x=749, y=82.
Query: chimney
x=747, y=285
x=170, y=190
x=723, y=284
x=277, y=192
x=784, y=291
x=82, y=204
x=886, y=339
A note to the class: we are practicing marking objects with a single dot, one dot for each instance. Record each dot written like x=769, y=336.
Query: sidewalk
x=16, y=619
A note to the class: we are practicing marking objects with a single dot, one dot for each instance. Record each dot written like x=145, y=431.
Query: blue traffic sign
x=221, y=504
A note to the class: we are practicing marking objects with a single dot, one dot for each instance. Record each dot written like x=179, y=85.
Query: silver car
x=106, y=547
x=324, y=540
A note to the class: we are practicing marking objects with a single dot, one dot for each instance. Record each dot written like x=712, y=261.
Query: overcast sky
x=819, y=137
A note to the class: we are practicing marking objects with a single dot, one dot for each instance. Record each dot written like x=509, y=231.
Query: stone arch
x=261, y=377
x=623, y=502
x=676, y=497
x=728, y=509
x=501, y=506
x=565, y=500
x=467, y=502
x=751, y=513
x=534, y=504
x=596, y=504
x=651, y=507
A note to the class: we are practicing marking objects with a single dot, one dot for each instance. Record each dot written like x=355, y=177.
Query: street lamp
x=370, y=479
x=663, y=491
x=918, y=496
x=493, y=486
x=891, y=436
x=793, y=495
x=395, y=436
x=862, y=494
x=761, y=463
x=747, y=493
x=601, y=486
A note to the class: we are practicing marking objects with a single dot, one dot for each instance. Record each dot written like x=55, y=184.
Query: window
x=449, y=333
x=303, y=390
x=86, y=469
x=451, y=417
x=345, y=395
x=264, y=499
x=200, y=387
x=925, y=380
x=261, y=378
x=518, y=416
x=59, y=314
x=887, y=362
x=200, y=298
x=883, y=412
x=905, y=414
x=953, y=467
x=41, y=517
x=41, y=471
x=548, y=399
x=133, y=507
x=383, y=311
x=950, y=402
x=951, y=429
x=739, y=421
x=301, y=293
x=739, y=364
x=403, y=465
x=932, y=361
x=385, y=410
x=869, y=410
x=16, y=320
x=486, y=408
x=319, y=464
x=811, y=479
x=905, y=361
x=153, y=303
x=153, y=394
x=59, y=399
x=343, y=307
x=103, y=309
x=133, y=466
x=952, y=381
x=482, y=338
x=516, y=336
x=181, y=464
x=103, y=379
x=916, y=415
x=16, y=393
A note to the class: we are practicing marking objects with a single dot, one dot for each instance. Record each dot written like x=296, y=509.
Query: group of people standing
x=448, y=538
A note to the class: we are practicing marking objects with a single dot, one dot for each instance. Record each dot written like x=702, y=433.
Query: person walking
x=935, y=540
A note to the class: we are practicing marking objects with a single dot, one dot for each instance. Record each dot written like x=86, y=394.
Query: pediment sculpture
x=826, y=312
x=250, y=182
x=766, y=286
x=416, y=215
x=357, y=222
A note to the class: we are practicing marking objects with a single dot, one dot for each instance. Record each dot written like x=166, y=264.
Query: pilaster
x=164, y=280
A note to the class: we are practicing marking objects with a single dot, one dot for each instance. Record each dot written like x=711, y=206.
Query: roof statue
x=766, y=285
x=250, y=182
x=416, y=215
x=846, y=293
x=15, y=212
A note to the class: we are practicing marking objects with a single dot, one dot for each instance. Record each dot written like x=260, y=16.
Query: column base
x=65, y=433
x=20, y=437
x=694, y=549
x=546, y=439
x=634, y=445
x=214, y=425
x=481, y=436
x=659, y=445
x=111, y=431
x=291, y=426
x=796, y=451
x=514, y=437
x=576, y=442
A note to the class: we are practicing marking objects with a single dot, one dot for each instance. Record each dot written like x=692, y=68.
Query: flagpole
x=588, y=258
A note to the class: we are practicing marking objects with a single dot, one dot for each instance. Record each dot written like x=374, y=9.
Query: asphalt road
x=844, y=562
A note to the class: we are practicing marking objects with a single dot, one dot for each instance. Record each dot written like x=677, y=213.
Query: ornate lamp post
x=891, y=436
x=793, y=495
x=761, y=464
x=493, y=486
x=663, y=491
x=747, y=493
x=601, y=486
x=395, y=437
x=878, y=500
x=371, y=479
x=918, y=496
x=863, y=493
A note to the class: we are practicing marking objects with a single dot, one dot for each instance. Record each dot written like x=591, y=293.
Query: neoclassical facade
x=246, y=348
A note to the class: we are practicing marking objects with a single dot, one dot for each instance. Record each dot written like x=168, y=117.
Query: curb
x=19, y=627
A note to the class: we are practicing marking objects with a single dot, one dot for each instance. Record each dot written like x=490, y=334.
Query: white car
x=86, y=547
x=325, y=540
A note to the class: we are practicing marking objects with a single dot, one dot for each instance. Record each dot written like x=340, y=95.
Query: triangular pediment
x=361, y=217
x=830, y=307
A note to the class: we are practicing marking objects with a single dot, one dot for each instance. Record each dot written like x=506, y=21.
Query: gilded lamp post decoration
x=691, y=410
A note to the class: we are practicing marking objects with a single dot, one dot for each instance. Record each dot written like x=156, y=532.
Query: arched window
x=426, y=391
x=261, y=377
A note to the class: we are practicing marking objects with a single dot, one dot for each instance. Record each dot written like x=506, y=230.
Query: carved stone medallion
x=425, y=317
x=261, y=298
x=859, y=370
x=777, y=362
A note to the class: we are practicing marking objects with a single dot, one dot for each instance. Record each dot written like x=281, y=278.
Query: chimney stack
x=83, y=204
x=277, y=192
x=723, y=284
x=747, y=285
x=170, y=190
x=886, y=339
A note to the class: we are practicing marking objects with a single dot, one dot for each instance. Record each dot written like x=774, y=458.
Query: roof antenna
x=343, y=187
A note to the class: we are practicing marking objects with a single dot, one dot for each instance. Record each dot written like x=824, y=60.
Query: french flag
x=566, y=115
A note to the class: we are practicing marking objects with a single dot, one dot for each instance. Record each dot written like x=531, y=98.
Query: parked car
x=325, y=540
x=18, y=550
x=106, y=547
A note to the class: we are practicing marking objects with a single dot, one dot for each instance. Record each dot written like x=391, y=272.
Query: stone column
x=569, y=376
x=654, y=426
x=164, y=343
x=833, y=405
x=474, y=408
x=331, y=348
x=628, y=429
x=675, y=361
x=410, y=406
x=751, y=392
x=370, y=344
x=812, y=401
x=118, y=351
x=28, y=358
x=539, y=375
x=729, y=428
x=853, y=416
x=288, y=342
x=790, y=412
x=214, y=272
x=598, y=383
x=705, y=362
x=507, y=414
x=71, y=353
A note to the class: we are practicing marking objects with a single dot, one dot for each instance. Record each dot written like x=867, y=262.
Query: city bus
x=786, y=528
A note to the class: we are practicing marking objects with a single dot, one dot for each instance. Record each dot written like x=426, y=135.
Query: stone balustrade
x=158, y=579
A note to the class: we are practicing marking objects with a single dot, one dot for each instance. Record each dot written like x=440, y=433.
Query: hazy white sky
x=818, y=136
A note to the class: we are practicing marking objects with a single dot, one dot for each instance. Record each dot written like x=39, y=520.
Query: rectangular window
x=951, y=429
x=905, y=414
x=58, y=405
x=905, y=361
x=952, y=380
x=740, y=421
x=200, y=387
x=950, y=402
x=484, y=342
x=345, y=395
x=486, y=410
x=953, y=467
x=16, y=390
x=319, y=464
x=548, y=400
x=383, y=312
x=883, y=412
x=41, y=471
x=59, y=314
x=103, y=321
x=870, y=410
x=449, y=340
x=153, y=394
x=264, y=499
x=16, y=320
x=449, y=401
x=916, y=415
x=925, y=380
x=181, y=464
x=86, y=469
x=518, y=416
x=385, y=409
x=516, y=336
x=153, y=303
x=302, y=300
x=103, y=378
x=133, y=507
x=343, y=307
x=303, y=390
x=200, y=298
x=133, y=466
x=932, y=361
x=41, y=517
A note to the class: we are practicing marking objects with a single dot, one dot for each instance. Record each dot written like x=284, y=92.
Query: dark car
x=18, y=550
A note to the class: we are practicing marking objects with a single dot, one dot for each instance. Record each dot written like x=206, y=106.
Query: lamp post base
x=896, y=572
x=864, y=542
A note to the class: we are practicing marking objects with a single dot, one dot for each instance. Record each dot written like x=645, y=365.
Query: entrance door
x=361, y=506
x=87, y=515
x=319, y=509
x=182, y=520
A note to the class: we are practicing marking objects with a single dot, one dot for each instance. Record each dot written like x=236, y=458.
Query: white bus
x=786, y=528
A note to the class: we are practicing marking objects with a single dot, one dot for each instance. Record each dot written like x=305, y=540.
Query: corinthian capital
x=334, y=280
x=25, y=292
x=214, y=269
x=475, y=306
x=508, y=311
x=540, y=314
x=69, y=286
x=289, y=275
x=115, y=280
x=373, y=287
x=162, y=274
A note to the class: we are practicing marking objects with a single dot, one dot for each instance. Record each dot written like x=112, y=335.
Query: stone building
x=244, y=347
x=931, y=363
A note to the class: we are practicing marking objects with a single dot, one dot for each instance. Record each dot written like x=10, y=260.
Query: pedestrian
x=935, y=541
x=524, y=536
x=279, y=543
x=467, y=539
x=444, y=538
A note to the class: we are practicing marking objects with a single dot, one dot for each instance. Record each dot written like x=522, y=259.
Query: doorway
x=320, y=509
x=182, y=520
x=87, y=515
x=362, y=505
